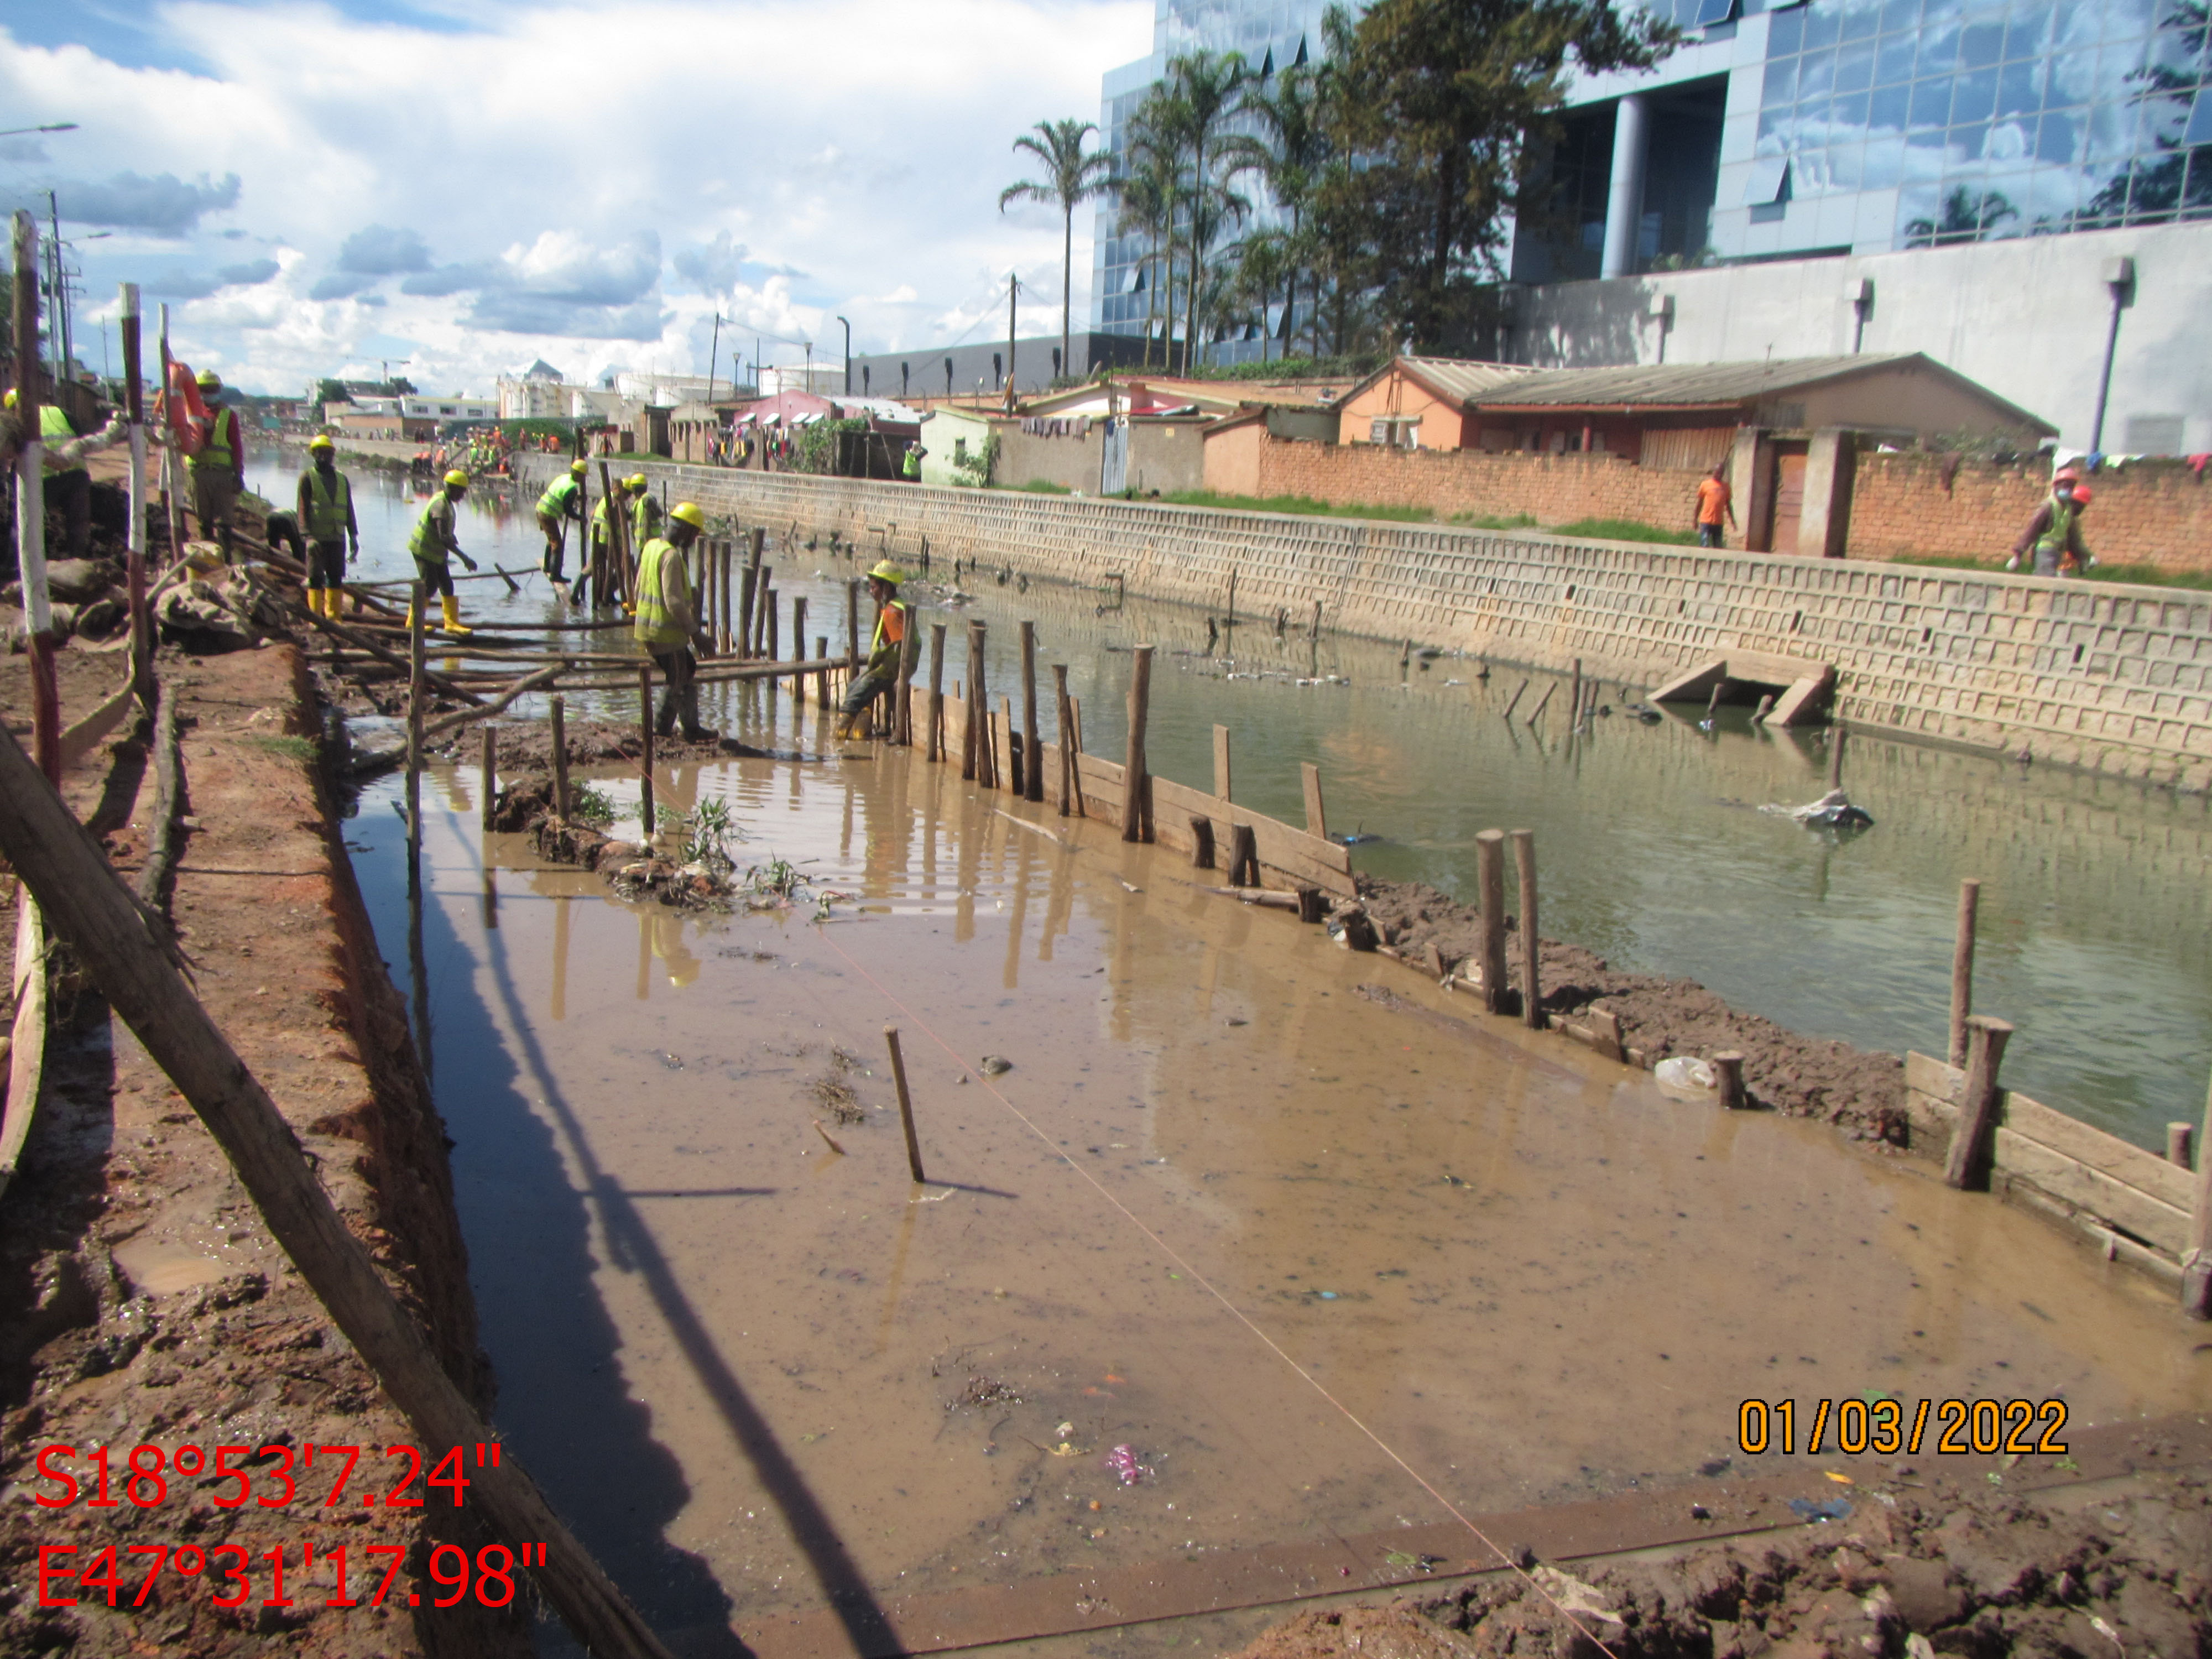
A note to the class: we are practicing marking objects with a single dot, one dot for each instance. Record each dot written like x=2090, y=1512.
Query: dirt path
x=142, y=1302
x=1803, y=1077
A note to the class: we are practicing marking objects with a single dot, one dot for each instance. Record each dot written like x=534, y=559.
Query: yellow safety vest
x=54, y=429
x=645, y=517
x=656, y=625
x=560, y=496
x=330, y=504
x=219, y=449
x=433, y=530
x=2052, y=541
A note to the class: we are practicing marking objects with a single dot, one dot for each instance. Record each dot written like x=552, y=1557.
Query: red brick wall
x=2152, y=513
x=1552, y=489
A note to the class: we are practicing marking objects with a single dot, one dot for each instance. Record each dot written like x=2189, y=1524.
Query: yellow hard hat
x=689, y=512
x=886, y=571
x=578, y=469
x=457, y=477
x=209, y=380
x=635, y=481
x=11, y=397
x=321, y=441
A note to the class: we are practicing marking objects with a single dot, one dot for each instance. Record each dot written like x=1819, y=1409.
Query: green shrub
x=1305, y=505
x=1625, y=530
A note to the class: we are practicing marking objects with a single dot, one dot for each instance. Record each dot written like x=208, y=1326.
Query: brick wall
x=1462, y=482
x=2155, y=512
x=2106, y=676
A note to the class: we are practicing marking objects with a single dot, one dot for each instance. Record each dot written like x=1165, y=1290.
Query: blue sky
x=312, y=187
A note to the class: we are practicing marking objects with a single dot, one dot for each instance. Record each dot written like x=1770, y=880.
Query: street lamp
x=848, y=358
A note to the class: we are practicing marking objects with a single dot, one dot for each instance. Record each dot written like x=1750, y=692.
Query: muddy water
x=2096, y=912
x=765, y=1376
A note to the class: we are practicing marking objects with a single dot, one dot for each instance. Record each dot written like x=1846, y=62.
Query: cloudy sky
x=471, y=185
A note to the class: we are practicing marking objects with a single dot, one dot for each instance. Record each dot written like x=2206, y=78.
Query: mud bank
x=141, y=1300
x=1803, y=1077
x=1918, y=1567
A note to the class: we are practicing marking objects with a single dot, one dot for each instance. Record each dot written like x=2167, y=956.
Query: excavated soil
x=143, y=1300
x=2113, y=1572
x=1803, y=1077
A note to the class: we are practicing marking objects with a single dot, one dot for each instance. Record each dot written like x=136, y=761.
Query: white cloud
x=473, y=199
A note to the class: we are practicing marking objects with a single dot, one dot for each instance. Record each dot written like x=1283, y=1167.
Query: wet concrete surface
x=1223, y=1210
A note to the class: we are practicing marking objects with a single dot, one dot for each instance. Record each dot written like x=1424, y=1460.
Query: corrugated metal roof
x=1680, y=385
x=1463, y=379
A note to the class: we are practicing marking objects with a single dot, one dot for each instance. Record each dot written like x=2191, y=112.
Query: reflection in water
x=1523, y=1268
x=1652, y=854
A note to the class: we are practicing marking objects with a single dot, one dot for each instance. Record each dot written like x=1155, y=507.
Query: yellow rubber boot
x=318, y=601
x=452, y=612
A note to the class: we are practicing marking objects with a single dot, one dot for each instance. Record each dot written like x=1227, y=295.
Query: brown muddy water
x=2096, y=911
x=1223, y=1211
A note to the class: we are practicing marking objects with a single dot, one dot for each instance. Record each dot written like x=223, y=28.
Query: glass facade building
x=1834, y=126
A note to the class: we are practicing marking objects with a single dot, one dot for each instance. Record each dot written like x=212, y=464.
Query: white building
x=538, y=393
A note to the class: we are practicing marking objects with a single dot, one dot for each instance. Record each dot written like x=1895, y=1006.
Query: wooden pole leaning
x=1490, y=890
x=1962, y=966
x=30, y=506
x=559, y=712
x=1032, y=739
x=906, y=1102
x=903, y=699
x=2197, y=1260
x=1134, y=785
x=125, y=950
x=142, y=621
x=1070, y=774
x=414, y=712
x=645, y=813
x=1967, y=1166
x=936, y=710
x=1532, y=984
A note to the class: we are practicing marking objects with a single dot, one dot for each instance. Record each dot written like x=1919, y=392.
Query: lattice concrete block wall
x=2111, y=677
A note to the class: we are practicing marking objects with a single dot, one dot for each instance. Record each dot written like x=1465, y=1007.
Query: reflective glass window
x=1855, y=68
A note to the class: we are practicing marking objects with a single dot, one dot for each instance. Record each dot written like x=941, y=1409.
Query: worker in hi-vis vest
x=910, y=464
x=667, y=621
x=325, y=515
x=2052, y=540
x=564, y=500
x=218, y=469
x=893, y=616
x=67, y=487
x=645, y=512
x=435, y=540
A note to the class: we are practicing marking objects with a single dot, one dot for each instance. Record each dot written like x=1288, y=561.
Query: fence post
x=1962, y=964
x=1133, y=765
x=1531, y=984
x=1967, y=1168
x=1489, y=889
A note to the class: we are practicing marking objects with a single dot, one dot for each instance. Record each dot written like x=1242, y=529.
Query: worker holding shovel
x=433, y=542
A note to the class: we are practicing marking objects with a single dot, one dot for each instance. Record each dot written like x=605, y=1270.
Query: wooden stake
x=30, y=507
x=906, y=1102
x=1311, y=905
x=490, y=776
x=1244, y=856
x=1221, y=777
x=852, y=627
x=560, y=734
x=1490, y=900
x=2197, y=1260
x=1967, y=1168
x=724, y=644
x=936, y=692
x=798, y=645
x=822, y=674
x=1541, y=702
x=1032, y=739
x=975, y=757
x=1202, y=842
x=1532, y=983
x=415, y=713
x=1765, y=706
x=1070, y=774
x=1516, y=703
x=1962, y=968
x=909, y=659
x=122, y=949
x=142, y=620
x=1316, y=818
x=1133, y=785
x=2179, y=1139
x=645, y=757
x=1835, y=758
x=1574, y=695
x=1728, y=1069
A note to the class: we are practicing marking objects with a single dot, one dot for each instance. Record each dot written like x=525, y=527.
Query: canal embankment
x=2107, y=677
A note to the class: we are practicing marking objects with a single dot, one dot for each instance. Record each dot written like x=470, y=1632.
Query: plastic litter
x=1836, y=1509
x=1686, y=1077
x=1833, y=811
x=1125, y=1468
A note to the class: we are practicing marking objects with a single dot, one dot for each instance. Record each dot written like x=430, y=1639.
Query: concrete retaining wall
x=2111, y=677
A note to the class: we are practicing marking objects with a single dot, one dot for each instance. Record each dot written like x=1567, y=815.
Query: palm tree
x=1290, y=153
x=1073, y=176
x=1201, y=91
x=1147, y=189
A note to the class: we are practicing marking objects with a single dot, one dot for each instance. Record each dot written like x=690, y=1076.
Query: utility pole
x=848, y=358
x=57, y=292
x=1013, y=289
x=809, y=377
x=714, y=356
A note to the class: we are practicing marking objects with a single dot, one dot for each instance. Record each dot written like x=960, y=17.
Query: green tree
x=1201, y=91
x=1439, y=98
x=1290, y=152
x=1073, y=176
x=1145, y=188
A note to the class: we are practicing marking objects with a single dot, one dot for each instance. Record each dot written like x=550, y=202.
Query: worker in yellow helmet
x=435, y=540
x=325, y=514
x=666, y=622
x=564, y=500
x=884, y=649
x=218, y=469
x=645, y=512
x=597, y=579
x=67, y=486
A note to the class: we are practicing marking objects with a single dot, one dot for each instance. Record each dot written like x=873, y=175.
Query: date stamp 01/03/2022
x=1886, y=1427
x=271, y=1477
